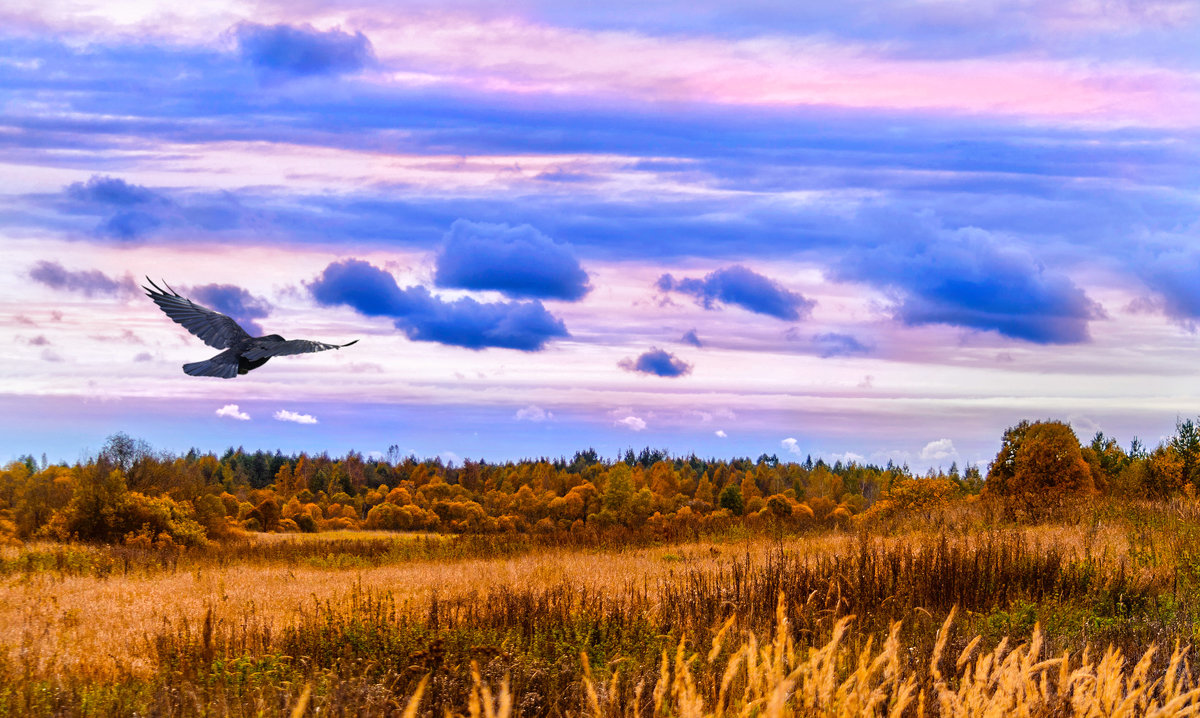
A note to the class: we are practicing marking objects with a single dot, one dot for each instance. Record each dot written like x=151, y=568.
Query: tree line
x=130, y=493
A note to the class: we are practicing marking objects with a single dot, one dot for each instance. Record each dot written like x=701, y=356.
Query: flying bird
x=242, y=351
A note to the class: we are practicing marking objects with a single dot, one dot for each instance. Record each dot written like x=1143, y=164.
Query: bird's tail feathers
x=212, y=367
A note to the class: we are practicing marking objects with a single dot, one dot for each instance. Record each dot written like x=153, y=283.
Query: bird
x=243, y=353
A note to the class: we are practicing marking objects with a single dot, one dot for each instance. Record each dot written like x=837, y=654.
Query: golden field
x=821, y=622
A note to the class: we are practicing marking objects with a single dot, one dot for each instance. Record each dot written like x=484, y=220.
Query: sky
x=869, y=230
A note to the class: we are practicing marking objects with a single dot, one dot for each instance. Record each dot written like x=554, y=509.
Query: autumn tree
x=618, y=488
x=1039, y=465
x=705, y=491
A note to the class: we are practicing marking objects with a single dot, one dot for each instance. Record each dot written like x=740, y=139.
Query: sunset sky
x=868, y=230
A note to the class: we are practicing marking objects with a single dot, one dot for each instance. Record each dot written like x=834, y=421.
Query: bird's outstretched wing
x=272, y=348
x=214, y=329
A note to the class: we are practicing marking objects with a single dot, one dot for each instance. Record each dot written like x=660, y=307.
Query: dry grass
x=98, y=625
x=361, y=626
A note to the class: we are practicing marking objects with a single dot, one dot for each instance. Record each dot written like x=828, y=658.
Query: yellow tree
x=663, y=480
x=705, y=491
x=749, y=487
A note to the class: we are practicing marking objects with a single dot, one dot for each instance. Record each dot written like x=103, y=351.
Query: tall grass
x=862, y=628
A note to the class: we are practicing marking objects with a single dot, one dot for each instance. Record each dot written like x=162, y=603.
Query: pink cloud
x=510, y=56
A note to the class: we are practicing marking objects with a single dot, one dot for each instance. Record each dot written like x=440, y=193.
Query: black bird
x=242, y=351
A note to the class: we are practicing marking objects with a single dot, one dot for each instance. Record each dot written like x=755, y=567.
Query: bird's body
x=243, y=352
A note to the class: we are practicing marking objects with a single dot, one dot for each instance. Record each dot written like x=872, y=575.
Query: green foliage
x=731, y=499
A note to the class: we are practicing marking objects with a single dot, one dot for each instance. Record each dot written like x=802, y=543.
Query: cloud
x=971, y=278
x=791, y=445
x=40, y=341
x=285, y=415
x=129, y=210
x=129, y=225
x=690, y=337
x=518, y=261
x=533, y=413
x=1172, y=276
x=526, y=326
x=939, y=450
x=302, y=50
x=231, y=411
x=105, y=190
x=833, y=344
x=720, y=433
x=658, y=362
x=51, y=356
x=90, y=282
x=744, y=288
x=233, y=301
x=632, y=423
x=143, y=357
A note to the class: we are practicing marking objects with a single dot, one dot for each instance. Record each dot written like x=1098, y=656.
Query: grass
x=896, y=620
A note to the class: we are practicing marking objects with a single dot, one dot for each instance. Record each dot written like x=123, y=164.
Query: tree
x=618, y=488
x=704, y=491
x=1186, y=445
x=731, y=498
x=1039, y=465
x=122, y=450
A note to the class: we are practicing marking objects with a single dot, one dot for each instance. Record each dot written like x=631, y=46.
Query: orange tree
x=1039, y=466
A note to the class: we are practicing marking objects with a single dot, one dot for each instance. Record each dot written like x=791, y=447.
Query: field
x=953, y=612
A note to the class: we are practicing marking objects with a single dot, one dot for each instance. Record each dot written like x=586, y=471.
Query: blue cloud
x=235, y=302
x=690, y=337
x=465, y=322
x=104, y=190
x=302, y=50
x=742, y=287
x=657, y=362
x=88, y=281
x=969, y=278
x=833, y=344
x=129, y=225
x=365, y=288
x=1172, y=274
x=518, y=261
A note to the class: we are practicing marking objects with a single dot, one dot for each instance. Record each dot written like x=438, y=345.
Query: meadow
x=949, y=612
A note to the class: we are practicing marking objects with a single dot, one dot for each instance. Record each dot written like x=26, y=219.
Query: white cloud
x=939, y=450
x=449, y=457
x=791, y=445
x=533, y=413
x=231, y=411
x=285, y=415
x=632, y=423
x=720, y=433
